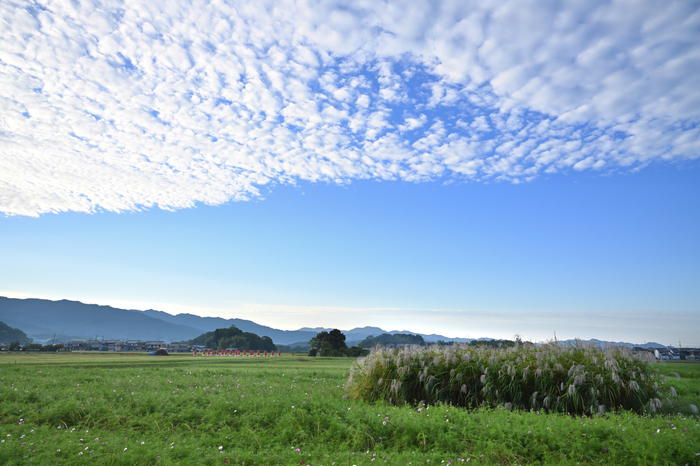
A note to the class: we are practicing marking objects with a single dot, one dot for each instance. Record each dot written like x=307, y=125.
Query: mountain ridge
x=74, y=319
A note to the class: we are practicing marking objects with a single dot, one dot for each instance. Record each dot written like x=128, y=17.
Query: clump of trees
x=389, y=339
x=17, y=346
x=491, y=343
x=333, y=344
x=294, y=348
x=233, y=337
x=38, y=347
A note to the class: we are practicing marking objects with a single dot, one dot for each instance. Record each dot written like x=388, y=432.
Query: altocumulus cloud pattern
x=120, y=105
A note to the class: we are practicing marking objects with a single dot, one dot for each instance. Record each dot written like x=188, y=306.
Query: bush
x=576, y=379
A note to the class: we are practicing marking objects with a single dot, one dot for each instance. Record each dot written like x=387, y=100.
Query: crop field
x=98, y=408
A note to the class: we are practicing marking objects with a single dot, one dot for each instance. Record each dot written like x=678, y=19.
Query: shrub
x=576, y=379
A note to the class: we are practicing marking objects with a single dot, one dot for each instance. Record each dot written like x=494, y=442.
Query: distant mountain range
x=41, y=319
x=62, y=321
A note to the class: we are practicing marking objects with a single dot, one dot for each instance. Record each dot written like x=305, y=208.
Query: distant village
x=115, y=346
x=130, y=345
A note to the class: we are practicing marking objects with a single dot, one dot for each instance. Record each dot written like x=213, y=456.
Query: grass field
x=120, y=409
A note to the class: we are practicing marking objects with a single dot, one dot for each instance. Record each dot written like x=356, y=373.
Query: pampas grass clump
x=576, y=379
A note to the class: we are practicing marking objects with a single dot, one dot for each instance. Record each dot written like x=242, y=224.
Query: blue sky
x=459, y=168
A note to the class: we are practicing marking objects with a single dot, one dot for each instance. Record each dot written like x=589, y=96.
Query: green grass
x=261, y=411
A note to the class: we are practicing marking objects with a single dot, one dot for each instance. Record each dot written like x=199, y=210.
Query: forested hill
x=9, y=335
x=233, y=337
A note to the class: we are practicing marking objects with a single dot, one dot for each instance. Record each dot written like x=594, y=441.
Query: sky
x=472, y=169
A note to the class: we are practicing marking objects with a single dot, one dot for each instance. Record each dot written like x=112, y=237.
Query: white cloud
x=167, y=104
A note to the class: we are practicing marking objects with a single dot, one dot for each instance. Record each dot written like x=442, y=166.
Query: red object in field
x=265, y=353
x=258, y=353
x=279, y=353
x=251, y=353
x=194, y=354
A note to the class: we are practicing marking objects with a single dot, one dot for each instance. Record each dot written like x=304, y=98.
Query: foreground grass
x=118, y=409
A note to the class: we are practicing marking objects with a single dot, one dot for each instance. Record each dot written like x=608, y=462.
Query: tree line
x=389, y=339
x=15, y=346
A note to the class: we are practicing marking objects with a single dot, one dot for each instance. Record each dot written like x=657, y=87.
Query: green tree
x=335, y=340
x=14, y=346
x=326, y=348
x=267, y=344
x=240, y=342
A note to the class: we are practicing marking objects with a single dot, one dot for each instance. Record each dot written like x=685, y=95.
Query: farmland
x=72, y=408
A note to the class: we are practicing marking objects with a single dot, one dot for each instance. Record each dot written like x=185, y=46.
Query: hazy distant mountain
x=40, y=316
x=207, y=324
x=649, y=344
x=41, y=319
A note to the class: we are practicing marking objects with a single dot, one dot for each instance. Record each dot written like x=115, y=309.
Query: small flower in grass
x=221, y=447
x=58, y=450
x=125, y=449
x=80, y=453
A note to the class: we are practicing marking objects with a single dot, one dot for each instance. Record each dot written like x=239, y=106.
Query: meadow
x=98, y=408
